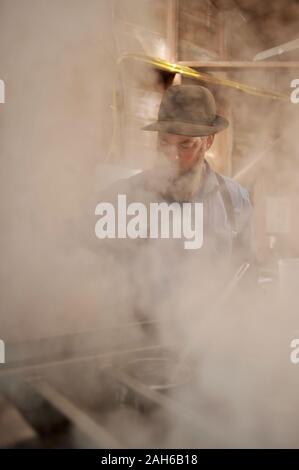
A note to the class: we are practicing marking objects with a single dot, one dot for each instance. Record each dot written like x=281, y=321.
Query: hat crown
x=188, y=103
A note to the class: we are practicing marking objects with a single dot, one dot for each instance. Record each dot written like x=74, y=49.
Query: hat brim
x=187, y=128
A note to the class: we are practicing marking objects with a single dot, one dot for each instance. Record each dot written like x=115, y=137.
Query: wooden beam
x=172, y=29
x=223, y=65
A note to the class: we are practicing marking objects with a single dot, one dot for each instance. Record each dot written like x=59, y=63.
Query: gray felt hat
x=188, y=110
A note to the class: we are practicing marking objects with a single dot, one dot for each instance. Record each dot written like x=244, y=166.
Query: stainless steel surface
x=107, y=397
x=78, y=416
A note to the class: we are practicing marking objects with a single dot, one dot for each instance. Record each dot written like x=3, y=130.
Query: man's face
x=185, y=152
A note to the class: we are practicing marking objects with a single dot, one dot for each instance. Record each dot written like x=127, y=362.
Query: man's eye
x=186, y=145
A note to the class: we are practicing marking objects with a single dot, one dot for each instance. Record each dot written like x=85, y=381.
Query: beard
x=175, y=185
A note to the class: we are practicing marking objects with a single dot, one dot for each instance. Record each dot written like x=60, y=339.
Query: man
x=186, y=126
x=161, y=271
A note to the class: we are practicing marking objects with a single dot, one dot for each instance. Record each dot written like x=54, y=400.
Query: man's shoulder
x=240, y=195
x=240, y=199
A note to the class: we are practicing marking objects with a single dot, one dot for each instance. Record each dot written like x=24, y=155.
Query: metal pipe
x=36, y=368
x=278, y=50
